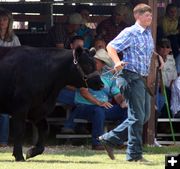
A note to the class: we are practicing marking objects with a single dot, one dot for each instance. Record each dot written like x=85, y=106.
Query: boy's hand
x=119, y=65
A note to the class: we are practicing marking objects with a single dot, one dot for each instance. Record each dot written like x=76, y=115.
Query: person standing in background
x=7, y=39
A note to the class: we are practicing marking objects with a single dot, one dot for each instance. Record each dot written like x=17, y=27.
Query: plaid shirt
x=137, y=46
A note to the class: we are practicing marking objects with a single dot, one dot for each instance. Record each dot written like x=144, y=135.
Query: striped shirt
x=137, y=46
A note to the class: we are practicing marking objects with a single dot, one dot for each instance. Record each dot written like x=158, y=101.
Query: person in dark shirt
x=60, y=34
x=110, y=28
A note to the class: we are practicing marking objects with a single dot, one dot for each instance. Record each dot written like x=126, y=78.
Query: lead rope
x=76, y=63
x=115, y=75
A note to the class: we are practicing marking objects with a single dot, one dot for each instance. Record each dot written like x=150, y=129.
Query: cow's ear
x=92, y=52
x=78, y=51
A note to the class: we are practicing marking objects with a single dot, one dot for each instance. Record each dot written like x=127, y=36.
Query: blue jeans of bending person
x=4, y=129
x=97, y=115
x=138, y=114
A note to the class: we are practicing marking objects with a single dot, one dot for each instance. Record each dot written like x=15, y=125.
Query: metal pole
x=166, y=101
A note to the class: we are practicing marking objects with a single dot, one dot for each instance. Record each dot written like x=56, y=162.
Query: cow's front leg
x=42, y=127
x=18, y=128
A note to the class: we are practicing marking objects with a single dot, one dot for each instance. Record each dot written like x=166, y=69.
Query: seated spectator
x=85, y=13
x=169, y=73
x=84, y=30
x=76, y=41
x=7, y=39
x=175, y=97
x=60, y=34
x=170, y=27
x=112, y=26
x=66, y=95
x=99, y=43
x=95, y=106
x=177, y=60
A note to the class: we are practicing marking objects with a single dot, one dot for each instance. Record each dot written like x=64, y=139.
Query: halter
x=84, y=76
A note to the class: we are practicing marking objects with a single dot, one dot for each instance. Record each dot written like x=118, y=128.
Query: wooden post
x=150, y=126
x=48, y=11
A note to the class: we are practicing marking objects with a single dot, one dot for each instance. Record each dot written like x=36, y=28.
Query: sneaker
x=156, y=143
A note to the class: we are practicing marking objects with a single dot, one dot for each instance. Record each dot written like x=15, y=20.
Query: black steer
x=30, y=80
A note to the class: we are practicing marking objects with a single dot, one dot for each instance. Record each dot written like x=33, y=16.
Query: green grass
x=69, y=157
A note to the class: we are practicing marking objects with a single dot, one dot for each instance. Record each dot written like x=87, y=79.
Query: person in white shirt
x=175, y=97
x=169, y=73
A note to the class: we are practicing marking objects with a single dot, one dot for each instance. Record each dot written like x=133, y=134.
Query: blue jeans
x=66, y=96
x=97, y=115
x=160, y=101
x=177, y=60
x=118, y=135
x=4, y=128
x=138, y=114
x=174, y=44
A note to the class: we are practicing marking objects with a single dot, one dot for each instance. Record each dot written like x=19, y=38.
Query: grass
x=70, y=157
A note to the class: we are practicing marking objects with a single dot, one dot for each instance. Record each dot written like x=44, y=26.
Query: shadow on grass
x=85, y=152
x=114, y=162
x=97, y=162
x=55, y=161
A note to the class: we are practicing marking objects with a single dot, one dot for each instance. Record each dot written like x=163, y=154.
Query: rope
x=111, y=70
x=115, y=75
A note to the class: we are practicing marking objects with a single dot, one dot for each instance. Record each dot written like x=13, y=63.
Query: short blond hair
x=142, y=8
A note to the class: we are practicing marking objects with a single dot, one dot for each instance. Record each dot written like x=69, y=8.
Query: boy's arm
x=119, y=65
x=87, y=95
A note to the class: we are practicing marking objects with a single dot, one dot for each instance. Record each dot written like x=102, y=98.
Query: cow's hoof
x=34, y=151
x=19, y=159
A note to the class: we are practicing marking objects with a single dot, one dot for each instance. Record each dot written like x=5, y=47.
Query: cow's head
x=84, y=72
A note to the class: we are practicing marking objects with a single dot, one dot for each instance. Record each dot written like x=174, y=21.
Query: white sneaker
x=156, y=144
